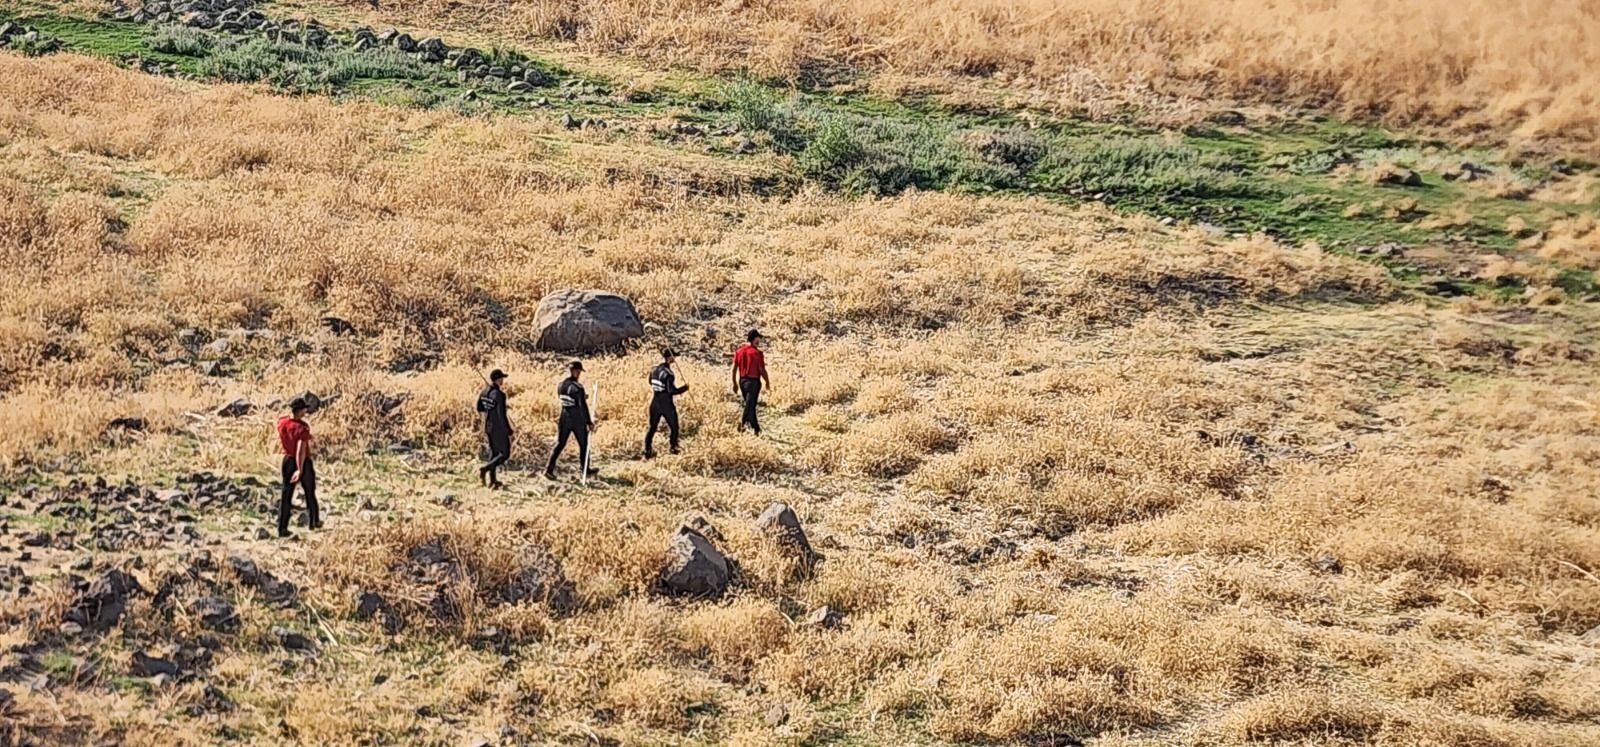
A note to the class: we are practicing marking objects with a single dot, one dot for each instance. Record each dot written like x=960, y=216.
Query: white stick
x=594, y=406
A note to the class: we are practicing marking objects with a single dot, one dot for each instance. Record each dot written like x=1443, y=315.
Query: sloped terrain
x=1069, y=470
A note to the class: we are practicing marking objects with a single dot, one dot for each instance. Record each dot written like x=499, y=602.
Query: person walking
x=664, y=386
x=749, y=375
x=496, y=428
x=295, y=438
x=574, y=421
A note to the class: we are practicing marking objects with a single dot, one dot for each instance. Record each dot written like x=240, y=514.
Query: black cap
x=752, y=335
x=668, y=353
x=576, y=366
x=496, y=375
x=298, y=403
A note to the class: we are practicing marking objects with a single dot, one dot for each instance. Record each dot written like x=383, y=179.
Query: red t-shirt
x=291, y=432
x=749, y=361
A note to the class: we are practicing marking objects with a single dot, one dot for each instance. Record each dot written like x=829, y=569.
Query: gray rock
x=144, y=665
x=293, y=640
x=824, y=617
x=101, y=605
x=776, y=716
x=780, y=522
x=236, y=409
x=216, y=614
x=585, y=321
x=1400, y=178
x=405, y=43
x=570, y=122
x=540, y=579
x=1327, y=564
x=126, y=423
x=744, y=145
x=519, y=87
x=694, y=567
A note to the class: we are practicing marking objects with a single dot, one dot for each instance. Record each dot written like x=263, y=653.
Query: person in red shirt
x=295, y=438
x=749, y=374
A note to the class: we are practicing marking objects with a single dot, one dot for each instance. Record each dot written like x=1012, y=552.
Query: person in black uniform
x=662, y=407
x=496, y=428
x=574, y=421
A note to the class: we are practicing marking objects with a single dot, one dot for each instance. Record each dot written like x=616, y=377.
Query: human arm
x=302, y=452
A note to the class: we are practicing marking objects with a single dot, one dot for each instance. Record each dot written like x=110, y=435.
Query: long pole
x=594, y=407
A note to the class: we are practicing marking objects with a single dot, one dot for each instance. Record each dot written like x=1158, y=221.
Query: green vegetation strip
x=1309, y=181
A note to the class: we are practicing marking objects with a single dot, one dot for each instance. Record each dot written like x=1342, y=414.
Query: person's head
x=298, y=407
x=754, y=338
x=576, y=369
x=496, y=377
x=668, y=355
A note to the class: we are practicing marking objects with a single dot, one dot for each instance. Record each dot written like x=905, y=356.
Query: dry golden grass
x=1524, y=69
x=1069, y=469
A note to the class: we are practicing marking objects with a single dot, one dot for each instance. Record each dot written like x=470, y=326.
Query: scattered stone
x=144, y=665
x=293, y=640
x=780, y=522
x=695, y=567
x=743, y=145
x=273, y=589
x=1327, y=564
x=126, y=423
x=1465, y=172
x=776, y=716
x=263, y=534
x=1441, y=285
x=99, y=606
x=570, y=122
x=585, y=321
x=824, y=617
x=213, y=368
x=1400, y=177
x=216, y=614
x=1592, y=637
x=1228, y=118
x=338, y=326
x=519, y=87
x=540, y=579
x=236, y=409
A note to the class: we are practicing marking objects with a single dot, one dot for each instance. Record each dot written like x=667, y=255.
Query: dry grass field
x=1078, y=477
x=1524, y=69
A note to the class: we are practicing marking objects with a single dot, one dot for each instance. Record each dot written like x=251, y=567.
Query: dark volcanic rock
x=144, y=665
x=100, y=605
x=694, y=566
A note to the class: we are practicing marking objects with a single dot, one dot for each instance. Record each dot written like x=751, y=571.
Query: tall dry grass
x=1071, y=471
x=1523, y=69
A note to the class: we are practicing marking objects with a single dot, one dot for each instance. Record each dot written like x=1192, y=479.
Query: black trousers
x=308, y=481
x=499, y=452
x=658, y=413
x=563, y=430
x=751, y=389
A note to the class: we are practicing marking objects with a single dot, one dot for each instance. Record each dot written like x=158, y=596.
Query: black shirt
x=574, y=403
x=492, y=403
x=664, y=384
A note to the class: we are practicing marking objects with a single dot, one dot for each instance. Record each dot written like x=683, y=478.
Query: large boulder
x=694, y=566
x=585, y=321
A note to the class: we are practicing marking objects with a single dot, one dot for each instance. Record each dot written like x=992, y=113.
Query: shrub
x=1144, y=166
x=181, y=40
